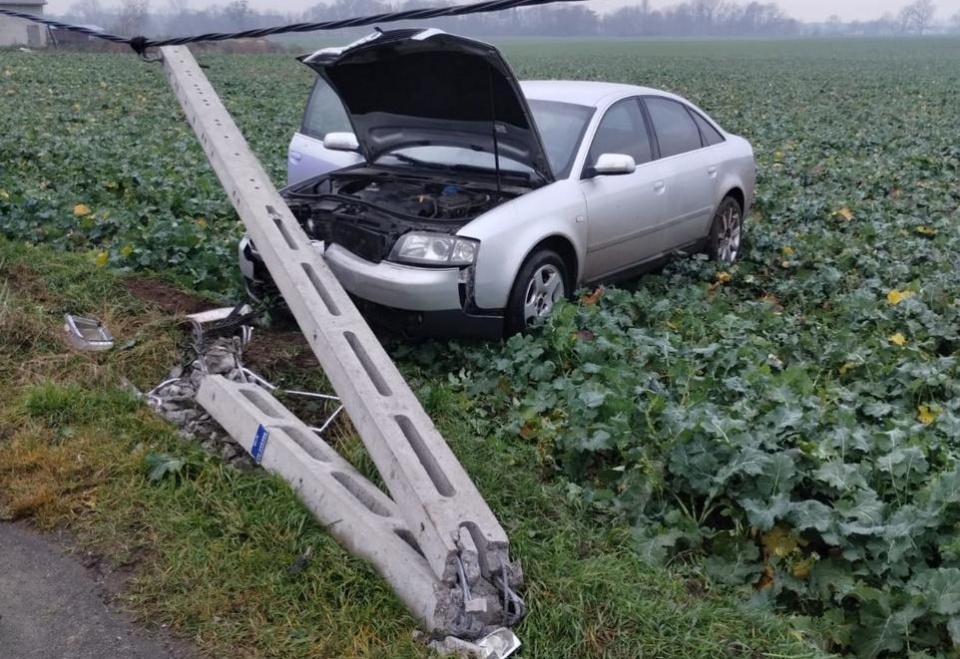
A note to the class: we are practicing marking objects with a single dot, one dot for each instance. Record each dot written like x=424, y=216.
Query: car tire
x=726, y=232
x=543, y=279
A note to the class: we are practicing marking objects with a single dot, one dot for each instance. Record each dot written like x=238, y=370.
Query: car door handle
x=659, y=186
x=712, y=171
x=296, y=156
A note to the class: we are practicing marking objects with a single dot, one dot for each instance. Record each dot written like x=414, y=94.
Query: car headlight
x=421, y=248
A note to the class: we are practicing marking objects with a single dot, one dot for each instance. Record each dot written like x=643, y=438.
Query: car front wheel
x=541, y=282
x=726, y=232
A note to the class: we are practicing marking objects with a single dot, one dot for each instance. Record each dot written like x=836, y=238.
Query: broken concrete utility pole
x=457, y=544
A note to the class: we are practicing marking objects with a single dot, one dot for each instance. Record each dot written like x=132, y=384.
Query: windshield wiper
x=507, y=173
x=529, y=177
x=416, y=162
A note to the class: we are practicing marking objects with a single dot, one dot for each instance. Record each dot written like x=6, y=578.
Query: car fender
x=730, y=180
x=510, y=232
x=308, y=158
x=741, y=172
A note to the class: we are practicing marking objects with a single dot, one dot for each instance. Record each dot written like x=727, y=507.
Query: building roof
x=88, y=26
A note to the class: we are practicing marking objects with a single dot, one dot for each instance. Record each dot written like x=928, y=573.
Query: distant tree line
x=915, y=18
x=693, y=18
x=700, y=18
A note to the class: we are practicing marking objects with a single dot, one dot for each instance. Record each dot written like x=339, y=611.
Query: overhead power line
x=141, y=44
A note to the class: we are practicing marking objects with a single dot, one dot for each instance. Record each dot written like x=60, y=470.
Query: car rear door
x=689, y=171
x=307, y=156
x=624, y=210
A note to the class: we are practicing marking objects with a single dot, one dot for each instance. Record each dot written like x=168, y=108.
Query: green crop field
x=787, y=428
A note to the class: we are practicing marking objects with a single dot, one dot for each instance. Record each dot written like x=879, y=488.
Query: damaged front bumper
x=409, y=300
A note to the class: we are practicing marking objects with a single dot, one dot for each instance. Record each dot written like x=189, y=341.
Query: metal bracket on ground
x=451, y=524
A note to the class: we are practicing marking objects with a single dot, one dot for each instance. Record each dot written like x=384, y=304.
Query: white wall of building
x=18, y=32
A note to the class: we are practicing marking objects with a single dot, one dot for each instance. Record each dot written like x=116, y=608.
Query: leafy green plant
x=768, y=455
x=788, y=426
x=160, y=466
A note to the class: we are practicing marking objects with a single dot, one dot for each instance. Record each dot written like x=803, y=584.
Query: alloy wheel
x=728, y=243
x=544, y=289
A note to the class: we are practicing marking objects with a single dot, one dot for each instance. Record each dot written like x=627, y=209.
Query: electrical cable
x=140, y=44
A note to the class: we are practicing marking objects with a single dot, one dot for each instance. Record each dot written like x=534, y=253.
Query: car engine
x=367, y=211
x=433, y=201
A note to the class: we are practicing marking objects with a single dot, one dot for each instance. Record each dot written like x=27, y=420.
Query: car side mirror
x=340, y=142
x=611, y=164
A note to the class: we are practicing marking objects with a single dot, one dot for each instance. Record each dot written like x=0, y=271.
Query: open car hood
x=406, y=88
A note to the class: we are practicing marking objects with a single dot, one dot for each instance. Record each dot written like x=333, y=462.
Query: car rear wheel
x=726, y=233
x=541, y=282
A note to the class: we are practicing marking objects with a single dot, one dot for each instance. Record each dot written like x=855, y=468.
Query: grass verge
x=213, y=549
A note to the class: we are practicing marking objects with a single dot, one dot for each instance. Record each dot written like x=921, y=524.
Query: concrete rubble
x=175, y=400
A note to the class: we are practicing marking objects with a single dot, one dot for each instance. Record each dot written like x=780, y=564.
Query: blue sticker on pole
x=259, y=443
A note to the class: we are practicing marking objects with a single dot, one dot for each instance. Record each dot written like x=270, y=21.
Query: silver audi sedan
x=474, y=202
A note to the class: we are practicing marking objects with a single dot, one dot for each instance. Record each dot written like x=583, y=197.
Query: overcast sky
x=807, y=10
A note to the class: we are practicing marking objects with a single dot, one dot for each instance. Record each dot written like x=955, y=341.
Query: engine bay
x=403, y=196
x=430, y=201
x=366, y=210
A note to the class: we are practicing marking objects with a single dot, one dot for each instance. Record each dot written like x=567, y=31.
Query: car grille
x=365, y=242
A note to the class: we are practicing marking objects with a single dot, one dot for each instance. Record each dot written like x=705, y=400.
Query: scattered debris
x=87, y=333
x=223, y=321
x=175, y=399
x=498, y=644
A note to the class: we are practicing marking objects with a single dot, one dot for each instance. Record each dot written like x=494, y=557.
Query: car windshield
x=451, y=157
x=561, y=126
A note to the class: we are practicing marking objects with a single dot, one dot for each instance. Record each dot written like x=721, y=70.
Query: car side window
x=676, y=130
x=709, y=134
x=623, y=129
x=325, y=113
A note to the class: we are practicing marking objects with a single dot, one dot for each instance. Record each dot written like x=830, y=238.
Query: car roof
x=583, y=92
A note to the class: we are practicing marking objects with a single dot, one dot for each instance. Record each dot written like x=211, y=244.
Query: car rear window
x=709, y=134
x=676, y=131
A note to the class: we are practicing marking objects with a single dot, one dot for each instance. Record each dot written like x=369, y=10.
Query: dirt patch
x=25, y=282
x=165, y=296
x=271, y=351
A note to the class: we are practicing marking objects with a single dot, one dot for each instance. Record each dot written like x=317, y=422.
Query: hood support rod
x=493, y=129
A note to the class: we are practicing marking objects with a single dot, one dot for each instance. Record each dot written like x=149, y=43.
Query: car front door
x=689, y=172
x=307, y=156
x=624, y=209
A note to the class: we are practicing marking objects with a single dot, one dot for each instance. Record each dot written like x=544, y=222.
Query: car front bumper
x=428, y=302
x=394, y=285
